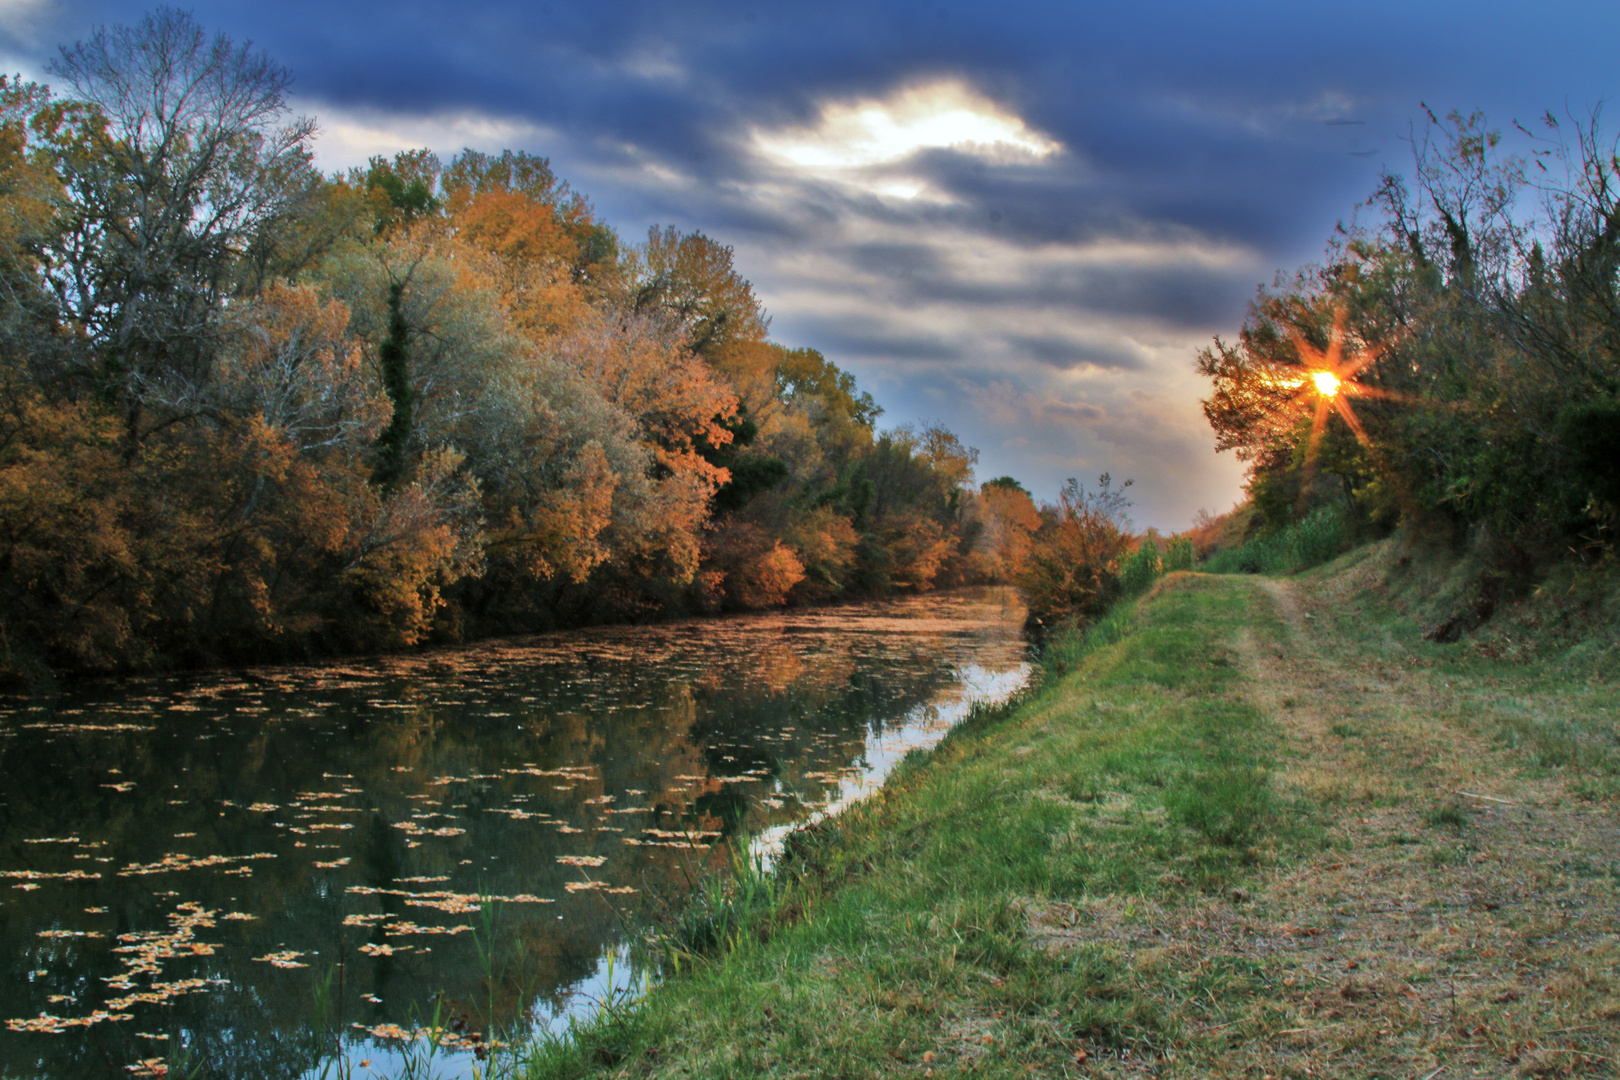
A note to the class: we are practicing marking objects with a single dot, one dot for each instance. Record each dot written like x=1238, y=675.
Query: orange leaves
x=516, y=227
x=65, y=541
x=418, y=541
x=646, y=369
x=748, y=569
x=534, y=252
x=1010, y=520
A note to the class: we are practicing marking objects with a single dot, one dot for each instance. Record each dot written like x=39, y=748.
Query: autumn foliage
x=249, y=411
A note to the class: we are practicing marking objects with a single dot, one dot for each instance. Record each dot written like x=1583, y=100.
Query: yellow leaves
x=650, y=372
x=535, y=253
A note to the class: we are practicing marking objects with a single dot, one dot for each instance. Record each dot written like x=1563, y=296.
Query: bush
x=1073, y=573
x=1179, y=554
x=1319, y=537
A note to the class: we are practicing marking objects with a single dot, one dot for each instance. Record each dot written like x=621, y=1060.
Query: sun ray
x=1318, y=423
x=1342, y=407
x=1330, y=376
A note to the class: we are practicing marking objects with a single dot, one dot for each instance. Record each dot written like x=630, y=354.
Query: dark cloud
x=1066, y=354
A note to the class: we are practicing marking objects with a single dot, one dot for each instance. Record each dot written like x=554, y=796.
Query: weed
x=1229, y=806
x=1451, y=816
x=722, y=907
x=1321, y=535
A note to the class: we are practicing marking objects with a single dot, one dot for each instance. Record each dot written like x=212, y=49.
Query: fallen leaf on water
x=285, y=959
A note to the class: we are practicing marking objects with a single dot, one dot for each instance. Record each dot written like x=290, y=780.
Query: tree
x=1009, y=521
x=691, y=279
x=177, y=155
x=1073, y=570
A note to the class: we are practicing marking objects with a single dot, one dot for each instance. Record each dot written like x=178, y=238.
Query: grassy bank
x=904, y=937
x=1255, y=828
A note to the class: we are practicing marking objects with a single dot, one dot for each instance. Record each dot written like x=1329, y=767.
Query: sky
x=1019, y=219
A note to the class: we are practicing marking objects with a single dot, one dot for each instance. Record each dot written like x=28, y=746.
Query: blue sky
x=1017, y=218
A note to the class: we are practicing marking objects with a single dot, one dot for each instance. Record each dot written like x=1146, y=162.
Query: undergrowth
x=1315, y=539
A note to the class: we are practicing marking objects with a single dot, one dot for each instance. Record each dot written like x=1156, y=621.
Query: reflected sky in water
x=182, y=859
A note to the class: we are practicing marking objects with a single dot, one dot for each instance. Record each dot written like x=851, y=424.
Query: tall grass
x=1142, y=567
x=1063, y=651
x=1321, y=535
x=1179, y=554
x=721, y=908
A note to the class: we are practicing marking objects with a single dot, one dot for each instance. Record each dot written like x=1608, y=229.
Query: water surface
x=184, y=860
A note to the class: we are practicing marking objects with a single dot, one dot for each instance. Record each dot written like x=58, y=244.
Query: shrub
x=1143, y=567
x=1073, y=574
x=1178, y=554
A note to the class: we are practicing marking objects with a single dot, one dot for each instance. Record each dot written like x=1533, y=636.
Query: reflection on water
x=185, y=858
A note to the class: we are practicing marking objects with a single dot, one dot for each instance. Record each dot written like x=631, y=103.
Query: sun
x=1331, y=377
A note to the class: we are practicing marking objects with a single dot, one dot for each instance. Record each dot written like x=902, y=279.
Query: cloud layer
x=1020, y=219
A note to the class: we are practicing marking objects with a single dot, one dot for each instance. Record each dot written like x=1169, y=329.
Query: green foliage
x=1005, y=482
x=1142, y=568
x=1590, y=431
x=1179, y=554
x=402, y=190
x=1479, y=352
x=1319, y=537
x=721, y=908
x=394, y=358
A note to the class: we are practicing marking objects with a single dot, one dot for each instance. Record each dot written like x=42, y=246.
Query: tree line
x=250, y=411
x=1472, y=331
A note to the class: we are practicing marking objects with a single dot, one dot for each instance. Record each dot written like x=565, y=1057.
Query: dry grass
x=1465, y=917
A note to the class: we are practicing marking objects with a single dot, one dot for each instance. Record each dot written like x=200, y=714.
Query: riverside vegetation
x=250, y=412
x=1358, y=822
x=1245, y=827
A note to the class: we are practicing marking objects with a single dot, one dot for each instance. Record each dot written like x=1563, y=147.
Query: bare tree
x=178, y=153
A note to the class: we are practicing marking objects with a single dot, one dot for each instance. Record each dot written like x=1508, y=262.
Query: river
x=186, y=860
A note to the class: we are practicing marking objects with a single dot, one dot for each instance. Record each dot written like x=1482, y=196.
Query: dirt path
x=1464, y=919
x=1467, y=917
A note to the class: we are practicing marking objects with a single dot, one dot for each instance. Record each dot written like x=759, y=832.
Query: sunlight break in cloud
x=947, y=114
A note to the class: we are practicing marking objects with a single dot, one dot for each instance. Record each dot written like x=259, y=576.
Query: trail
x=1466, y=912
x=1463, y=917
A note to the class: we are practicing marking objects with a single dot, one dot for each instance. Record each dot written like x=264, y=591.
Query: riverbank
x=1268, y=831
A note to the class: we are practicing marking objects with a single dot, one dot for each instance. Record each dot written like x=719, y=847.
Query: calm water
x=183, y=859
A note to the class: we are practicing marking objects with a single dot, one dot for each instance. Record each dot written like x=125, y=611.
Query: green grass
x=1551, y=709
x=1320, y=536
x=904, y=933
